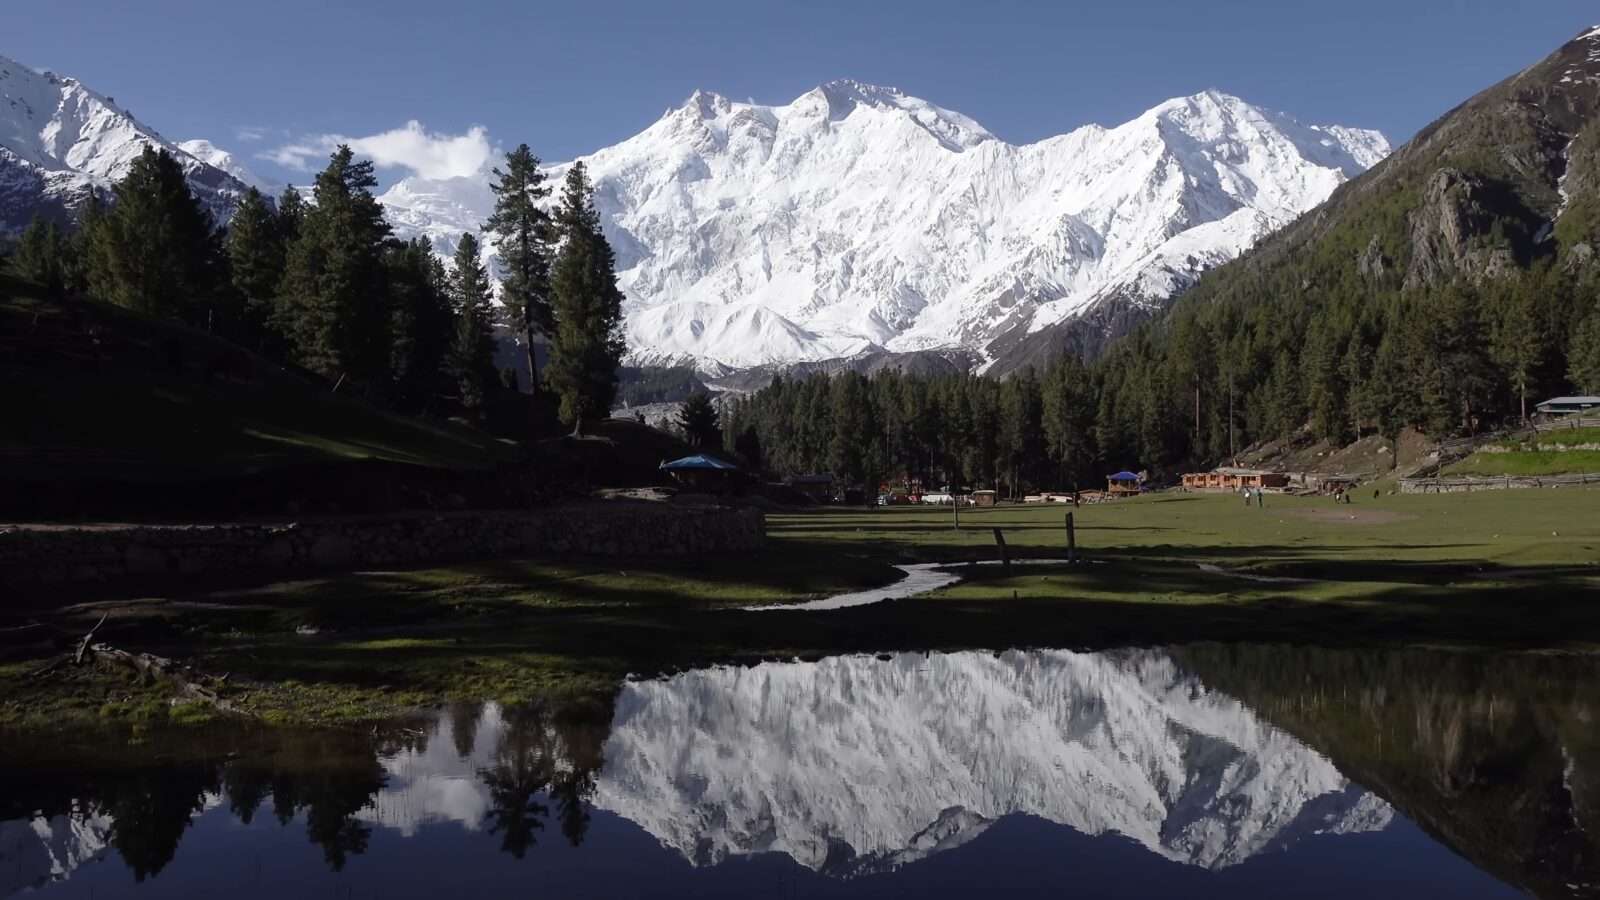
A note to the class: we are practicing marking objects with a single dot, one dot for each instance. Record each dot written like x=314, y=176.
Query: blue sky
x=571, y=77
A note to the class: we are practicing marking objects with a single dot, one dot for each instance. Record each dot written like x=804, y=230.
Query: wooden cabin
x=1229, y=480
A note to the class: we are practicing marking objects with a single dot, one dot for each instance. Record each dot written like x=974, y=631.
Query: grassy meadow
x=1510, y=569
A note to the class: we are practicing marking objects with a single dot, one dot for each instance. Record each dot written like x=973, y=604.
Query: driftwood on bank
x=185, y=679
x=83, y=645
x=189, y=682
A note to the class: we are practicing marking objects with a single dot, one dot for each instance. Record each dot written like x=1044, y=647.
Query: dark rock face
x=1467, y=226
x=1086, y=335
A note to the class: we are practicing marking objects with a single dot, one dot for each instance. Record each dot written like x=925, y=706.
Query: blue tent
x=699, y=463
x=1124, y=476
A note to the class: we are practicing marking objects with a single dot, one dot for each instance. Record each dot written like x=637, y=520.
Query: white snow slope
x=859, y=217
x=58, y=139
x=856, y=764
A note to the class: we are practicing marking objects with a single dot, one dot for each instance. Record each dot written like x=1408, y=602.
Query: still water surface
x=1197, y=772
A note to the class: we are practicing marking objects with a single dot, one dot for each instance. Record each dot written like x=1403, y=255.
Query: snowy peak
x=215, y=156
x=858, y=218
x=59, y=140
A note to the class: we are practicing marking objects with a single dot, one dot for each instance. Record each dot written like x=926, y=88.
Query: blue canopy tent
x=700, y=470
x=699, y=463
x=1123, y=482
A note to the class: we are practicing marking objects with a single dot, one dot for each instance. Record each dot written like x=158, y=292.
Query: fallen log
x=184, y=678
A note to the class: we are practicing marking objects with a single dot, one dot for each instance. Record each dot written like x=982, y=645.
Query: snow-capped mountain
x=59, y=139
x=858, y=217
x=215, y=156
x=857, y=764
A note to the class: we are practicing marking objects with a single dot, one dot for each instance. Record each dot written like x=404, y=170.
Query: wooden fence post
x=1005, y=555
x=1072, y=542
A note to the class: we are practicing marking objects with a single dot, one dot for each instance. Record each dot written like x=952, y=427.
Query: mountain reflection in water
x=1200, y=771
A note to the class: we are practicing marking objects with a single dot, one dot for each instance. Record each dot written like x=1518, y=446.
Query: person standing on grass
x=1261, y=499
x=1246, y=498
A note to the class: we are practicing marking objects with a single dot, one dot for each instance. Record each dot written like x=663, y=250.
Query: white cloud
x=426, y=153
x=249, y=133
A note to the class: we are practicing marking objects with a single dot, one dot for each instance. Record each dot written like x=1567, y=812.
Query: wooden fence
x=1568, y=423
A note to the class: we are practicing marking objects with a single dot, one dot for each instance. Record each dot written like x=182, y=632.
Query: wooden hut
x=1231, y=480
x=1122, y=484
x=818, y=488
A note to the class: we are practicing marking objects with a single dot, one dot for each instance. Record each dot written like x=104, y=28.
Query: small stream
x=921, y=578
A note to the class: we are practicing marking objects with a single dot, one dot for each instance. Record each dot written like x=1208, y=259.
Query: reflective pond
x=1196, y=772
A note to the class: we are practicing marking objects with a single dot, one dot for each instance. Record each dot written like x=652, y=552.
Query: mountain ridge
x=858, y=219
x=60, y=140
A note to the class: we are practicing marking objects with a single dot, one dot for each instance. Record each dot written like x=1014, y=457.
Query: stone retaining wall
x=1464, y=485
x=45, y=555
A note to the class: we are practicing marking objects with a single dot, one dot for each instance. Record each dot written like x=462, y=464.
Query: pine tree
x=332, y=303
x=1069, y=409
x=422, y=323
x=1583, y=357
x=748, y=446
x=1325, y=386
x=699, y=422
x=43, y=256
x=586, y=344
x=1021, y=428
x=291, y=214
x=155, y=249
x=523, y=235
x=255, y=262
x=472, y=351
x=1517, y=345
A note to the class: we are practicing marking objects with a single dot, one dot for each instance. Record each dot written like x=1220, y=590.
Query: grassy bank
x=1509, y=569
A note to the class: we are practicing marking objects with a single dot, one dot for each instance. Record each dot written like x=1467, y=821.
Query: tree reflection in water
x=1495, y=755
x=544, y=753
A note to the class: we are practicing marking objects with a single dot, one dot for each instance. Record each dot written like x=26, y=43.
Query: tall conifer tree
x=255, y=262
x=332, y=303
x=701, y=426
x=422, y=323
x=586, y=344
x=155, y=249
x=1583, y=357
x=42, y=256
x=523, y=234
x=472, y=351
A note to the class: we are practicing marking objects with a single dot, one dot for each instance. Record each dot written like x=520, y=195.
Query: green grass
x=1502, y=569
x=1529, y=463
x=1566, y=437
x=119, y=395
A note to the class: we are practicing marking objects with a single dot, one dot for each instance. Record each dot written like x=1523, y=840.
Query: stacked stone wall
x=45, y=555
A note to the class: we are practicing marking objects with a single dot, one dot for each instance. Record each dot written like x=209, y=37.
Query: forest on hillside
x=322, y=284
